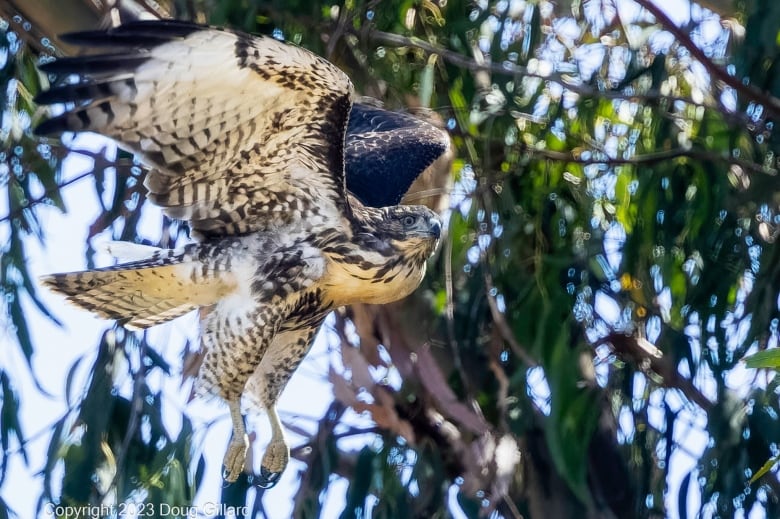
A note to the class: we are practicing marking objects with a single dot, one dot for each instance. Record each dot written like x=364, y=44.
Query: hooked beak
x=434, y=226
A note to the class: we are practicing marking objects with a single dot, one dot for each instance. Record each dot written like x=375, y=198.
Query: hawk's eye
x=409, y=220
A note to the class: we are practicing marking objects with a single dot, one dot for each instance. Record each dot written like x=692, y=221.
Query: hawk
x=245, y=138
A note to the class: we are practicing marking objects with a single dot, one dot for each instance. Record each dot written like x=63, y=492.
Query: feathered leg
x=241, y=336
x=235, y=340
x=264, y=388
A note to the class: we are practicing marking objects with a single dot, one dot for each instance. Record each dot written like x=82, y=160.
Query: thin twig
x=651, y=158
x=510, y=505
x=45, y=197
x=136, y=410
x=455, y=58
x=352, y=431
x=514, y=70
x=100, y=163
x=502, y=393
x=629, y=348
x=503, y=327
x=498, y=316
x=452, y=337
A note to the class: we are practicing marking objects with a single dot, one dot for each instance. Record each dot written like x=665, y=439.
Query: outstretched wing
x=242, y=133
x=387, y=151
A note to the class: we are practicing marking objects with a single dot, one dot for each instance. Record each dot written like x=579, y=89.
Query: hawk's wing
x=386, y=151
x=242, y=133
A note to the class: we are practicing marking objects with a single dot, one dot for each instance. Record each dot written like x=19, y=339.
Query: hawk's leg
x=235, y=457
x=277, y=454
x=235, y=345
x=264, y=387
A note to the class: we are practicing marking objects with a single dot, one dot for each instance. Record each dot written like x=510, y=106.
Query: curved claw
x=266, y=478
x=226, y=482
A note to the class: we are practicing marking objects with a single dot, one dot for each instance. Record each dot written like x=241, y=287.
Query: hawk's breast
x=369, y=278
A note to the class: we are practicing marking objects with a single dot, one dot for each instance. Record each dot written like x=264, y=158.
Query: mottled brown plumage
x=244, y=137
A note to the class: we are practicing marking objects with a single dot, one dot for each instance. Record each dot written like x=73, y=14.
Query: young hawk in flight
x=244, y=138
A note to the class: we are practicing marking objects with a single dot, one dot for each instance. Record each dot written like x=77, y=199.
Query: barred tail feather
x=140, y=293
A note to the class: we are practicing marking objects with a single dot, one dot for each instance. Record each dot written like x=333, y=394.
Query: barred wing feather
x=242, y=133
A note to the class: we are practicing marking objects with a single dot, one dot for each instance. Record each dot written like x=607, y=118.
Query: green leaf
x=53, y=456
x=764, y=359
x=574, y=413
x=427, y=83
x=69, y=380
x=765, y=468
x=359, y=485
x=9, y=423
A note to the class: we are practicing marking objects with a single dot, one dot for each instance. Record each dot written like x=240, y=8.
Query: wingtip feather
x=57, y=283
x=47, y=281
x=110, y=63
x=53, y=126
x=138, y=34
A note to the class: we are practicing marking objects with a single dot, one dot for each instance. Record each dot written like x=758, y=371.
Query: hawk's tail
x=140, y=293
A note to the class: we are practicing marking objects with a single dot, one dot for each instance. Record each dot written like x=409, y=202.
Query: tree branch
x=507, y=68
x=503, y=326
x=100, y=163
x=632, y=348
x=651, y=158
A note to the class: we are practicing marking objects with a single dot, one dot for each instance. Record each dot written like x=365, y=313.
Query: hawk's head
x=412, y=230
x=384, y=260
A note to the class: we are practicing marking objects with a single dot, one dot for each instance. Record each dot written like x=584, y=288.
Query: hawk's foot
x=235, y=458
x=274, y=462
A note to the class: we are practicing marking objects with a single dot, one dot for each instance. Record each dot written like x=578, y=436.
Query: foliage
x=611, y=259
x=28, y=172
x=105, y=437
